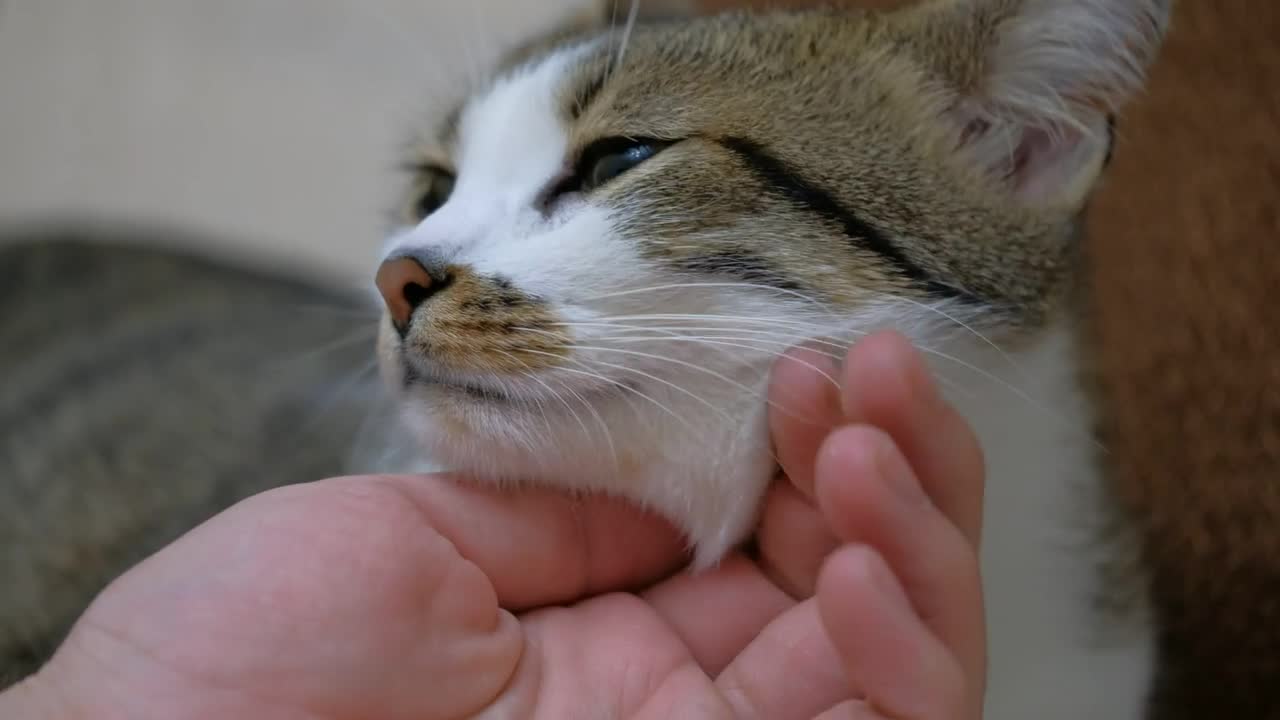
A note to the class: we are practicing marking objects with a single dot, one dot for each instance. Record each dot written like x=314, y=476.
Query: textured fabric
x=1185, y=244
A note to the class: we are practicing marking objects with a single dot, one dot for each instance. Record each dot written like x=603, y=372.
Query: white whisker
x=292, y=360
x=722, y=285
x=355, y=377
x=967, y=327
x=820, y=329
x=674, y=331
x=587, y=372
x=529, y=374
x=629, y=28
x=370, y=313
x=754, y=392
x=604, y=427
x=735, y=342
x=655, y=378
x=809, y=326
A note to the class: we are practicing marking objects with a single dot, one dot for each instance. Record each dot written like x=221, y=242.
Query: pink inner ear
x=1048, y=164
x=1037, y=164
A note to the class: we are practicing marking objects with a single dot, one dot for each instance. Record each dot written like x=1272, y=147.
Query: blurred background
x=273, y=125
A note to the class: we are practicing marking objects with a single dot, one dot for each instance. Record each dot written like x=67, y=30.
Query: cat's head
x=610, y=242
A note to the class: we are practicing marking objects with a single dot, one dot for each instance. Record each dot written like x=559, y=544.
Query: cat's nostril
x=404, y=284
x=415, y=293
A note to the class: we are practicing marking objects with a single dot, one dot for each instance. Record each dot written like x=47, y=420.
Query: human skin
x=432, y=599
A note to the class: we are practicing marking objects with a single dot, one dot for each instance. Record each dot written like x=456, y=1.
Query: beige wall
x=272, y=122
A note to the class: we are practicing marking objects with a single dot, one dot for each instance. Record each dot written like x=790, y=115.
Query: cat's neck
x=1049, y=533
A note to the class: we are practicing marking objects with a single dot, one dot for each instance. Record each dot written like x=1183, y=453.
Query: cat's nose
x=404, y=284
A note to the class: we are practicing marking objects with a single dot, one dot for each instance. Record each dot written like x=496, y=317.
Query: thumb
x=543, y=547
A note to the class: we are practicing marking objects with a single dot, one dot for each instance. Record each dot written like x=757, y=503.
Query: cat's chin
x=702, y=463
x=709, y=484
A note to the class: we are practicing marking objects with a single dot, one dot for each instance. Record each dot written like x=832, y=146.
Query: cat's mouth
x=513, y=393
x=488, y=383
x=413, y=377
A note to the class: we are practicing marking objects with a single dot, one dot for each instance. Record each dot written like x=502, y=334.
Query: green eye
x=434, y=190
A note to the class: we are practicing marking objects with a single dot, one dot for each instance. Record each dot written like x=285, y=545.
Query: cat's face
x=612, y=241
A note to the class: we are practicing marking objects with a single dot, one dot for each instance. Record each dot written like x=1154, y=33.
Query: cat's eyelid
x=427, y=167
x=592, y=152
x=590, y=155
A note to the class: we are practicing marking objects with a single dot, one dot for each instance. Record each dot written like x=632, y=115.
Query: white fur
x=1052, y=655
x=690, y=439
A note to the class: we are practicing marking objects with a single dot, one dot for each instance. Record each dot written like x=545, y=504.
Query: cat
x=142, y=390
x=605, y=249
x=610, y=243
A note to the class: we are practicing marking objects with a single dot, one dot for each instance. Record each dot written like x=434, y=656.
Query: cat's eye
x=434, y=189
x=605, y=160
x=609, y=166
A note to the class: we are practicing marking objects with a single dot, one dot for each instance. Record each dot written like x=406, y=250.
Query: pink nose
x=404, y=284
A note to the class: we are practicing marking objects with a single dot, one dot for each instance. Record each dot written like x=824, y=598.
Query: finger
x=887, y=385
x=793, y=540
x=804, y=406
x=717, y=613
x=852, y=710
x=790, y=671
x=541, y=547
x=902, y=670
x=870, y=496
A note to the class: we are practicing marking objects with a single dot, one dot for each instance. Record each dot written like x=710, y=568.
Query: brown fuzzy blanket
x=1185, y=251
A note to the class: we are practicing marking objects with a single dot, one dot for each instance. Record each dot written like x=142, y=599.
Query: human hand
x=413, y=597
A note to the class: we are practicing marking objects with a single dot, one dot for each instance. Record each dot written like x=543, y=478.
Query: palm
x=335, y=600
x=686, y=647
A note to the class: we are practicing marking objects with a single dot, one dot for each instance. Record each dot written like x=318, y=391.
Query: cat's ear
x=1035, y=83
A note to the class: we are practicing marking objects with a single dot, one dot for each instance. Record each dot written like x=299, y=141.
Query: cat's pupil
x=612, y=165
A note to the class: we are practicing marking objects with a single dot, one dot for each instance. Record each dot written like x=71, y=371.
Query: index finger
x=888, y=385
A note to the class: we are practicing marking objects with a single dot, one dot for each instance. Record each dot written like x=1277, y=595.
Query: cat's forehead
x=679, y=79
